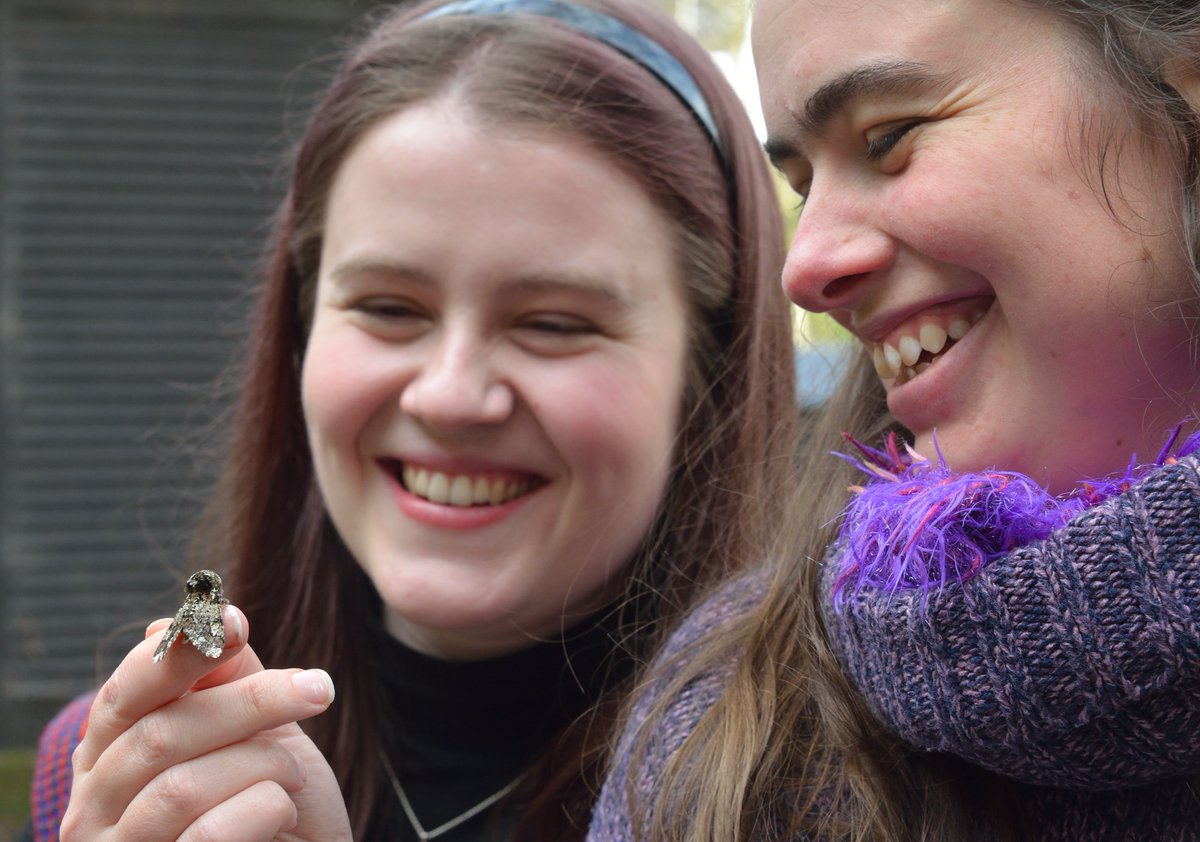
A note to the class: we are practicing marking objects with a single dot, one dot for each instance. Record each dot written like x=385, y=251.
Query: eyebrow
x=369, y=266
x=572, y=282
x=534, y=282
x=876, y=79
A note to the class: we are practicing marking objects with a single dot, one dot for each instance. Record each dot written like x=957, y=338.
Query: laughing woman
x=519, y=386
x=1000, y=206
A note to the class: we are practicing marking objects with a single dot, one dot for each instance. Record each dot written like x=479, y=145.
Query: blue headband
x=618, y=35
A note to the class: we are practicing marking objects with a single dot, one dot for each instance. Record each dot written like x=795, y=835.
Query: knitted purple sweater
x=1072, y=664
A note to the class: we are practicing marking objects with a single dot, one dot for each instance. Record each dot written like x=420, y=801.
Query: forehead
x=433, y=188
x=802, y=45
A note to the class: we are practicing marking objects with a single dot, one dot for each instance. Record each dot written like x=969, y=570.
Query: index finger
x=240, y=665
x=139, y=685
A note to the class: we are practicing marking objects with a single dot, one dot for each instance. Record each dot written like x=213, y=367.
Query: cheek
x=337, y=392
x=616, y=428
x=952, y=219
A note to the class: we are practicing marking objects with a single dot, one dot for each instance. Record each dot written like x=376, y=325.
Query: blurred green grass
x=16, y=770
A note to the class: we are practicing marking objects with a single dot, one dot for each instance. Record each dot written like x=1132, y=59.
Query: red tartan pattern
x=52, y=772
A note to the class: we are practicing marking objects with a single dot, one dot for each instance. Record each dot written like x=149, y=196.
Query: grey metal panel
x=137, y=144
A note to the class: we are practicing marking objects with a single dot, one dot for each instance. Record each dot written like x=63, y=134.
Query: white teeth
x=899, y=362
x=892, y=357
x=439, y=488
x=887, y=365
x=460, y=489
x=933, y=337
x=416, y=481
x=460, y=492
x=481, y=491
x=497, y=492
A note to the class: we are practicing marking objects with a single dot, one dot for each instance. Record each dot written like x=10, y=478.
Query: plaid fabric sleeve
x=51, y=787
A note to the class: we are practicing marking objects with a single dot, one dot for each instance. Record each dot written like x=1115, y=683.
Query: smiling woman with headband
x=519, y=387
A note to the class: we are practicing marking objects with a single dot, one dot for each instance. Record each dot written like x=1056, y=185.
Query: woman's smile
x=919, y=342
x=954, y=223
x=494, y=375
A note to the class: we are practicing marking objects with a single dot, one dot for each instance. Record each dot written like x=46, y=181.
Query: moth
x=199, y=618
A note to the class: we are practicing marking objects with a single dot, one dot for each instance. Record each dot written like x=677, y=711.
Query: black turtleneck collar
x=465, y=729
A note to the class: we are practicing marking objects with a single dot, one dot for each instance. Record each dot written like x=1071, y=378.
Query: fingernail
x=314, y=686
x=233, y=625
x=157, y=625
x=301, y=771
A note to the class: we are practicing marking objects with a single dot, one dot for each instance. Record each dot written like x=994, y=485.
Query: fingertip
x=235, y=626
x=314, y=686
x=290, y=824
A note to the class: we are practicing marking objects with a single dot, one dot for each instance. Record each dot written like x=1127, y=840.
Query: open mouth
x=462, y=490
x=920, y=343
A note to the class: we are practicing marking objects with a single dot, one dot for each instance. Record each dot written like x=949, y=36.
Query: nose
x=835, y=253
x=456, y=385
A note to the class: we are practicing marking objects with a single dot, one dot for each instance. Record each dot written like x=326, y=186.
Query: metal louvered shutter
x=138, y=147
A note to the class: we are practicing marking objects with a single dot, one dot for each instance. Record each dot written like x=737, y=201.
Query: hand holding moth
x=200, y=742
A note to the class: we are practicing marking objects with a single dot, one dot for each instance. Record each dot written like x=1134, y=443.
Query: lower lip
x=452, y=517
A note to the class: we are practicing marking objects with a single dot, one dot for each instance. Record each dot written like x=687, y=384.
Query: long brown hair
x=266, y=523
x=790, y=749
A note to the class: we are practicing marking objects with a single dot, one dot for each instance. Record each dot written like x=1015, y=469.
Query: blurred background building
x=139, y=148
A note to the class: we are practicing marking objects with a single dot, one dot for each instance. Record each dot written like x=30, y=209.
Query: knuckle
x=281, y=761
x=78, y=757
x=155, y=737
x=207, y=829
x=111, y=702
x=175, y=791
x=265, y=805
x=72, y=828
x=260, y=697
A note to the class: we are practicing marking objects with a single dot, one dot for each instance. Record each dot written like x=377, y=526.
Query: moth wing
x=205, y=629
x=173, y=631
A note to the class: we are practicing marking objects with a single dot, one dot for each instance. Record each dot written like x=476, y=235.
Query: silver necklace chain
x=425, y=835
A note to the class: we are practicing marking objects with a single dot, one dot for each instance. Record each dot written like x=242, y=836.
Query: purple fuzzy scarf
x=919, y=525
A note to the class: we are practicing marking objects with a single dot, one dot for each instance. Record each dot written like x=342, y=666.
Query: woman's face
x=493, y=378
x=955, y=224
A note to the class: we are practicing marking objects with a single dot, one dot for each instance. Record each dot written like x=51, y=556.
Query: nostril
x=837, y=289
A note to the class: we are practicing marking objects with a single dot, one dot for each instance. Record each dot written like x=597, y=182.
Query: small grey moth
x=199, y=618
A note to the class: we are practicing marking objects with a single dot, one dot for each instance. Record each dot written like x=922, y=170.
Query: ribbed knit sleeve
x=612, y=816
x=1073, y=662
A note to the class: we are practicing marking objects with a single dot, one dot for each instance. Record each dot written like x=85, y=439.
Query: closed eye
x=388, y=308
x=879, y=147
x=558, y=325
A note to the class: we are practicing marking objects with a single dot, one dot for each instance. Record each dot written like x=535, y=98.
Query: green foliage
x=16, y=771
x=719, y=25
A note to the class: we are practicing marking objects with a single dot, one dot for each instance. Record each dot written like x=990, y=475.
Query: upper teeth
x=898, y=358
x=462, y=489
